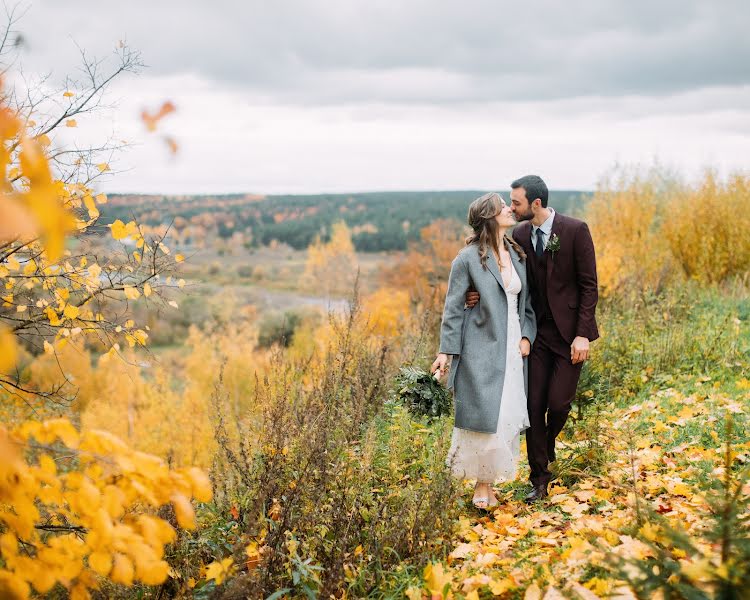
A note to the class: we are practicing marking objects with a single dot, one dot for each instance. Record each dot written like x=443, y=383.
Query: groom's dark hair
x=534, y=186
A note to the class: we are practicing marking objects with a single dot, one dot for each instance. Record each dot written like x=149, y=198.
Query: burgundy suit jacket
x=572, y=290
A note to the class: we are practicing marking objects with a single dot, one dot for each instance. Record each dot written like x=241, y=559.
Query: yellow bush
x=67, y=505
x=649, y=230
x=623, y=216
x=707, y=229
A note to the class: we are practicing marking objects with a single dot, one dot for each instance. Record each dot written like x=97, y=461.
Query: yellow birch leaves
x=79, y=520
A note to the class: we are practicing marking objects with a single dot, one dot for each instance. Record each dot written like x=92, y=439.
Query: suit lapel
x=556, y=229
x=525, y=236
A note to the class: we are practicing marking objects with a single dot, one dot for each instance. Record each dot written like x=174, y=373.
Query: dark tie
x=539, y=242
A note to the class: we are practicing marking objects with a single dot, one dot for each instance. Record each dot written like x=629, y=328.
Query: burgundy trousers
x=553, y=379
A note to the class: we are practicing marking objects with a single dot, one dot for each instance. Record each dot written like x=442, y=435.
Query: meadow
x=199, y=397
x=322, y=484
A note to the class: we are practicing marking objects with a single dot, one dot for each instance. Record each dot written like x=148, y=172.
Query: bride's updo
x=481, y=218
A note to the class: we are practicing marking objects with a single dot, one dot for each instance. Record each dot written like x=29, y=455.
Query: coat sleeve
x=529, y=326
x=585, y=261
x=453, y=311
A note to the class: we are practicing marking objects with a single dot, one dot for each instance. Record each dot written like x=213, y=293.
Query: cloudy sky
x=347, y=95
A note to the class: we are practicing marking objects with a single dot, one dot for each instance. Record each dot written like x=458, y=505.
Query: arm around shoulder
x=529, y=325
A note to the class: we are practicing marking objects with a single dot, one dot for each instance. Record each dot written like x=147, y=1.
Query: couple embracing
x=519, y=315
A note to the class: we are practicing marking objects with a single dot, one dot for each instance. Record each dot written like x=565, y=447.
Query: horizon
x=337, y=193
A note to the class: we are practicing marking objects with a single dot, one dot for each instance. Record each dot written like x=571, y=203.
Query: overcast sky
x=347, y=95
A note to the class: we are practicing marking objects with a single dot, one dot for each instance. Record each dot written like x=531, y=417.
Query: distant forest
x=379, y=221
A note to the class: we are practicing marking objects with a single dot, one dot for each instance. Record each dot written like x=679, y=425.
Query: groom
x=562, y=279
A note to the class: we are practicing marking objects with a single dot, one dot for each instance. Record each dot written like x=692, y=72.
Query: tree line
x=379, y=221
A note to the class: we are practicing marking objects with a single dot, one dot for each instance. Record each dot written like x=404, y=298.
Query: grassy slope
x=659, y=446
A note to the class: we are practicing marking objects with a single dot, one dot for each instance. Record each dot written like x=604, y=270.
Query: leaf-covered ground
x=659, y=451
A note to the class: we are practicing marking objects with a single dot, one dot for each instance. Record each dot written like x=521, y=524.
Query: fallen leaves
x=547, y=550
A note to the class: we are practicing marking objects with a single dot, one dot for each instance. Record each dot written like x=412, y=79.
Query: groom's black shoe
x=538, y=492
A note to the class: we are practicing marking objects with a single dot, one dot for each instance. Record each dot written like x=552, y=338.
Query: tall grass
x=337, y=486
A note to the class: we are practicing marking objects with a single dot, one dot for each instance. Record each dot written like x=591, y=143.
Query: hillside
x=378, y=220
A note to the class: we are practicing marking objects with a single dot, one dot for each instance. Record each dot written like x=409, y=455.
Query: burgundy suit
x=564, y=294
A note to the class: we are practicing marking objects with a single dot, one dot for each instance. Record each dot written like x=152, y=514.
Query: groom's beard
x=523, y=217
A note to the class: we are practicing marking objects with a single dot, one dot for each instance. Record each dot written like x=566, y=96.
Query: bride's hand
x=525, y=346
x=440, y=365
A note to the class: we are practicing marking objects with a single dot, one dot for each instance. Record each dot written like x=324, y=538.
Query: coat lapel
x=492, y=260
x=518, y=267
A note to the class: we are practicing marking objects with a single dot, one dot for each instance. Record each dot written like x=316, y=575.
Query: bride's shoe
x=481, y=501
x=484, y=502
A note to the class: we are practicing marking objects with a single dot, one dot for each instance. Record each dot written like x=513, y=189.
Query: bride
x=489, y=344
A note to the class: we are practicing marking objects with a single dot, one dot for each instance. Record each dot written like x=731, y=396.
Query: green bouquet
x=422, y=394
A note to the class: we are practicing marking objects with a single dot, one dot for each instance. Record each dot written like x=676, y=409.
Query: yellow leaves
x=414, y=593
x=122, y=569
x=332, y=264
x=71, y=312
x=679, y=488
x=85, y=500
x=8, y=350
x=119, y=230
x=438, y=580
x=387, y=310
x=13, y=587
x=104, y=498
x=499, y=587
x=71, y=123
x=132, y=293
x=103, y=167
x=101, y=563
x=51, y=218
x=91, y=206
x=183, y=511
x=136, y=337
x=46, y=432
x=200, y=484
x=220, y=570
x=533, y=592
x=68, y=94
x=633, y=548
x=151, y=572
x=147, y=289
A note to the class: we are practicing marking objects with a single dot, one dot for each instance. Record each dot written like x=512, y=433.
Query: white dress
x=491, y=457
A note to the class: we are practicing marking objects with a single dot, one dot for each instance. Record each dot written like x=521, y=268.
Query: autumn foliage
x=651, y=229
x=75, y=507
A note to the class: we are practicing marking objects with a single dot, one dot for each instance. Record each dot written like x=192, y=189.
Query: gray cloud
x=349, y=52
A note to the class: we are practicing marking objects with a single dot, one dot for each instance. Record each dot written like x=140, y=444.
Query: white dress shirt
x=546, y=228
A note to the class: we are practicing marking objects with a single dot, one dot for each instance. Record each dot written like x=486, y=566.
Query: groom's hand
x=472, y=298
x=579, y=350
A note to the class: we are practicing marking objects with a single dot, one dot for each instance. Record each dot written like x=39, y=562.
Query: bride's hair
x=481, y=217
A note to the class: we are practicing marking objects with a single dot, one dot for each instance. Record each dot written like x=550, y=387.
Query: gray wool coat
x=477, y=337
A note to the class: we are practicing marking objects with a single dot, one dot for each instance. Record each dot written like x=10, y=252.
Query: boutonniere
x=553, y=244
